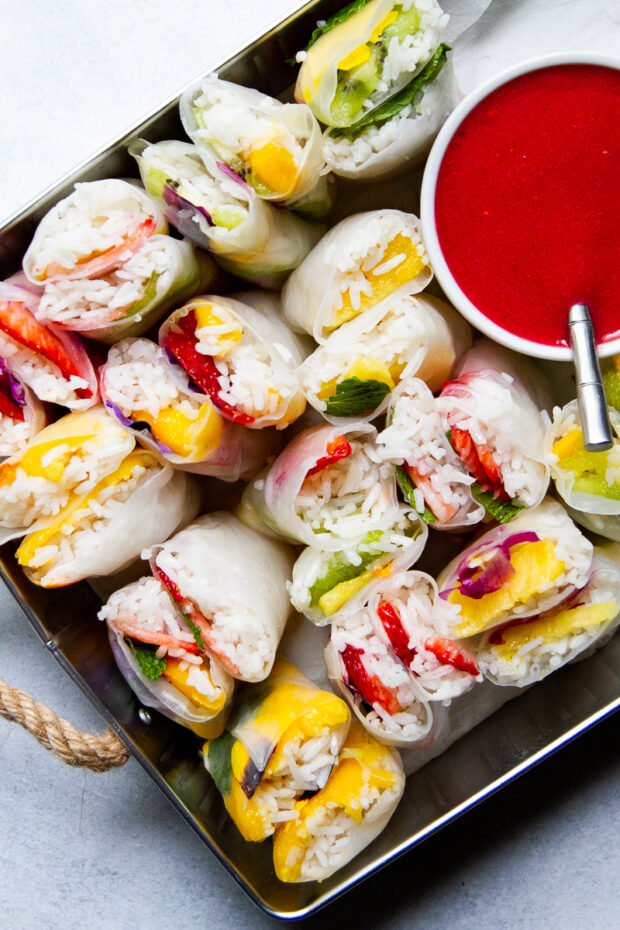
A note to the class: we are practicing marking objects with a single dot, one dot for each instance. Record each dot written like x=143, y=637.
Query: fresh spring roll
x=244, y=358
x=220, y=212
x=345, y=816
x=517, y=570
x=352, y=374
x=395, y=136
x=96, y=228
x=431, y=476
x=275, y=147
x=154, y=399
x=588, y=482
x=326, y=582
x=53, y=363
x=325, y=489
x=67, y=458
x=141, y=502
x=127, y=300
x=158, y=654
x=231, y=583
x=356, y=265
x=22, y=414
x=282, y=742
x=364, y=55
x=493, y=417
x=521, y=652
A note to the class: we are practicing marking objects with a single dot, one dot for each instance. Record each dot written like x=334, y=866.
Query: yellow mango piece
x=534, y=563
x=207, y=316
x=569, y=445
x=251, y=818
x=364, y=368
x=178, y=676
x=32, y=459
x=275, y=166
x=196, y=438
x=333, y=600
x=355, y=58
x=575, y=619
x=327, y=48
x=382, y=285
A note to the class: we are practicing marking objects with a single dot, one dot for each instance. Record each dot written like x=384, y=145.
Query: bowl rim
x=427, y=205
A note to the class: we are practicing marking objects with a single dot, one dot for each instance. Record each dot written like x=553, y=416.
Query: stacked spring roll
x=274, y=147
x=345, y=816
x=353, y=373
x=66, y=459
x=105, y=530
x=588, y=482
x=357, y=264
x=393, y=657
x=219, y=211
x=364, y=55
x=154, y=399
x=22, y=414
x=282, y=742
x=492, y=414
x=517, y=571
x=242, y=356
x=158, y=653
x=230, y=581
x=521, y=652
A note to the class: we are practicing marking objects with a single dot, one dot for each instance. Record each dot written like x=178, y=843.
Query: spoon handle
x=590, y=392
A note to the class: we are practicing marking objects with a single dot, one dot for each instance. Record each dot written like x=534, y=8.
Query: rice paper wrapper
x=16, y=433
x=224, y=567
x=314, y=292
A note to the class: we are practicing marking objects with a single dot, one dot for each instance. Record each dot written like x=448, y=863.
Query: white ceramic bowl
x=431, y=171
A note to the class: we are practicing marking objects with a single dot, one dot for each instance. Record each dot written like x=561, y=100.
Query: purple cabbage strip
x=494, y=573
x=186, y=216
x=139, y=426
x=225, y=169
x=15, y=386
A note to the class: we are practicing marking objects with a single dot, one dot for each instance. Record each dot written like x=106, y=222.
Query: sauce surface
x=527, y=203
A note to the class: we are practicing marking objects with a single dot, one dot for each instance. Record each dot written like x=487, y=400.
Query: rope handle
x=73, y=746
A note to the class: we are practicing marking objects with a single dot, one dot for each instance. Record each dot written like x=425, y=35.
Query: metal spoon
x=590, y=393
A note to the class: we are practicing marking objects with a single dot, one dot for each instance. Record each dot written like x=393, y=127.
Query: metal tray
x=512, y=740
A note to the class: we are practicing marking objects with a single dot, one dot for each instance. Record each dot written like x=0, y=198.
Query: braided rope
x=73, y=746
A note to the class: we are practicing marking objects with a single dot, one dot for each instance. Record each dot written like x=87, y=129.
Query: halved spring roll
x=326, y=582
x=53, y=363
x=244, y=359
x=281, y=743
x=496, y=427
x=520, y=652
x=127, y=300
x=158, y=655
x=154, y=399
x=516, y=571
x=430, y=474
x=230, y=581
x=588, y=482
x=364, y=55
x=22, y=415
x=96, y=228
x=395, y=136
x=352, y=374
x=356, y=265
x=67, y=458
x=350, y=812
x=274, y=147
x=220, y=212
x=139, y=503
x=325, y=489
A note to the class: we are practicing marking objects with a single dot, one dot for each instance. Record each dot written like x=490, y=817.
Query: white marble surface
x=80, y=850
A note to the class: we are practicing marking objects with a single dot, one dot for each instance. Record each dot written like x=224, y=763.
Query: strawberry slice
x=371, y=689
x=20, y=324
x=337, y=449
x=448, y=653
x=479, y=462
x=95, y=264
x=8, y=405
x=398, y=637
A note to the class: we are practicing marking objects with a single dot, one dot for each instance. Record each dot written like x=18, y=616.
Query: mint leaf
x=150, y=666
x=195, y=630
x=218, y=760
x=354, y=397
x=393, y=106
x=502, y=511
x=407, y=487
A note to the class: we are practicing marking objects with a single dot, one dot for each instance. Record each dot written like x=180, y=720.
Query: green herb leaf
x=150, y=666
x=195, y=630
x=407, y=487
x=502, y=511
x=340, y=17
x=355, y=398
x=339, y=569
x=218, y=761
x=150, y=293
x=399, y=101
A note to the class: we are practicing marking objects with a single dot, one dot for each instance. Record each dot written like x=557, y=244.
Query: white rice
x=14, y=435
x=43, y=376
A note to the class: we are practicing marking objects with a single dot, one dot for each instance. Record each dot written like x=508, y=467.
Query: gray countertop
x=81, y=850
